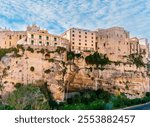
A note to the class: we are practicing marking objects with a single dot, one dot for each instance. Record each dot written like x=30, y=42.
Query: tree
x=97, y=59
x=70, y=55
x=27, y=97
x=136, y=59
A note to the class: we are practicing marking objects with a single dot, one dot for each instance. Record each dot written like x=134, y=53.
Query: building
x=9, y=38
x=80, y=39
x=144, y=48
x=36, y=36
x=114, y=42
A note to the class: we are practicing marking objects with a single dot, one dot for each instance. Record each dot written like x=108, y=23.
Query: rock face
x=67, y=76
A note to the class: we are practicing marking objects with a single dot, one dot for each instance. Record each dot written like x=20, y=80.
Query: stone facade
x=80, y=39
x=9, y=38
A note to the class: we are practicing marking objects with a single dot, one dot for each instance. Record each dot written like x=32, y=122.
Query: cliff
x=38, y=65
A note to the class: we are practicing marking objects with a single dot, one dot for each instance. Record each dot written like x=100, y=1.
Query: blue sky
x=59, y=15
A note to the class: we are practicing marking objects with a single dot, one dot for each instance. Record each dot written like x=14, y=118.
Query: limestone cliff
x=51, y=66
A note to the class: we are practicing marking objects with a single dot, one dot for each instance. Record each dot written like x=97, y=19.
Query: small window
x=32, y=36
x=20, y=37
x=79, y=32
x=79, y=35
x=85, y=36
x=73, y=43
x=40, y=42
x=55, y=39
x=91, y=33
x=79, y=39
x=10, y=37
x=92, y=37
x=32, y=42
x=73, y=35
x=91, y=44
x=73, y=31
x=104, y=44
x=85, y=40
x=47, y=43
x=72, y=47
x=40, y=37
x=47, y=38
x=79, y=43
x=85, y=32
x=85, y=44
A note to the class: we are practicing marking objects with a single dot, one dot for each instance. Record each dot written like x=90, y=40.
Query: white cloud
x=59, y=15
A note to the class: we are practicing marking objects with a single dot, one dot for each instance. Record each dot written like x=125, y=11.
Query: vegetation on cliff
x=136, y=59
x=33, y=98
x=97, y=59
x=3, y=52
x=100, y=100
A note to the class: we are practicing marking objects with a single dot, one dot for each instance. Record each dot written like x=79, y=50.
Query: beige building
x=36, y=36
x=80, y=39
x=114, y=42
x=9, y=38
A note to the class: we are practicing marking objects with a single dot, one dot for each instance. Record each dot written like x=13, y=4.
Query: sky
x=59, y=15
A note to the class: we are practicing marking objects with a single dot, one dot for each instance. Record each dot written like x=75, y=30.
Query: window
x=79, y=39
x=72, y=38
x=55, y=43
x=104, y=44
x=92, y=33
x=92, y=41
x=79, y=35
x=10, y=37
x=20, y=37
x=85, y=32
x=92, y=37
x=85, y=40
x=91, y=44
x=72, y=47
x=32, y=36
x=79, y=32
x=32, y=42
x=40, y=42
x=73, y=35
x=73, y=31
x=55, y=39
x=73, y=43
x=10, y=43
x=47, y=38
x=85, y=44
x=79, y=43
x=47, y=43
x=40, y=37
x=85, y=36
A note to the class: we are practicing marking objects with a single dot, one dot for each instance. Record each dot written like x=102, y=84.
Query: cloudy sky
x=59, y=15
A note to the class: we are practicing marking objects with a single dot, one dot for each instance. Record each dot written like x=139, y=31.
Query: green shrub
x=47, y=71
x=30, y=49
x=27, y=97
